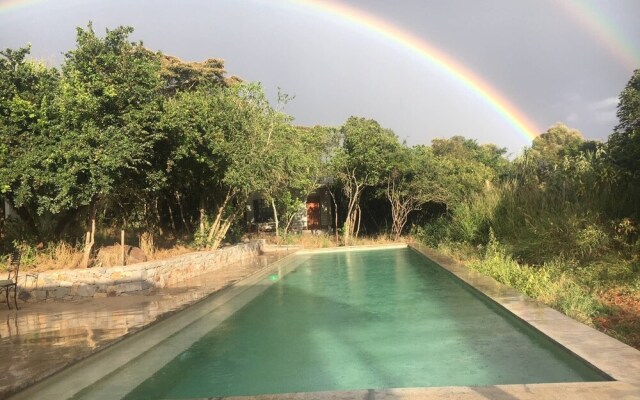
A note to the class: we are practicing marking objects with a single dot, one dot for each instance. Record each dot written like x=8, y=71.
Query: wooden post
x=122, y=245
x=88, y=246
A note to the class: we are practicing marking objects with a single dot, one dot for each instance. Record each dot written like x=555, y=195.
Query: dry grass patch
x=322, y=240
x=177, y=250
x=623, y=319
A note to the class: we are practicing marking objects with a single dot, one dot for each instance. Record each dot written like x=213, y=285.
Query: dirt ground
x=623, y=319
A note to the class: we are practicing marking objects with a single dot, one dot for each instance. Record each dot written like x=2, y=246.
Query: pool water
x=364, y=320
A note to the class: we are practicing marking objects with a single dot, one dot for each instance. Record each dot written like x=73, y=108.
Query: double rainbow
x=489, y=95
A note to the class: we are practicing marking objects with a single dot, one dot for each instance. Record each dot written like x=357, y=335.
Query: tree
x=361, y=162
x=27, y=91
x=464, y=167
x=558, y=141
x=624, y=143
x=624, y=147
x=298, y=163
x=221, y=140
x=109, y=104
x=181, y=76
x=414, y=179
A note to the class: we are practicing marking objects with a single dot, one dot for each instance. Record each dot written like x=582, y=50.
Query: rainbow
x=604, y=31
x=6, y=5
x=432, y=55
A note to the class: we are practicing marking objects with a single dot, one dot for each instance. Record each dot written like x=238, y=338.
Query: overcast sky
x=550, y=58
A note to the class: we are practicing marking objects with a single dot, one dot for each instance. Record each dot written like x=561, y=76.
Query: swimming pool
x=343, y=321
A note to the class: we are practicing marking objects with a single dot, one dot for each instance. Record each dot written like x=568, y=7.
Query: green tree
x=414, y=179
x=109, y=105
x=464, y=167
x=558, y=141
x=298, y=159
x=222, y=141
x=361, y=162
x=181, y=76
x=27, y=91
x=624, y=143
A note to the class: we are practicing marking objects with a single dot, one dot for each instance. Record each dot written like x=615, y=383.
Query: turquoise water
x=364, y=320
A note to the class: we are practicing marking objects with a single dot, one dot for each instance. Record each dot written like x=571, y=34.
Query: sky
x=488, y=65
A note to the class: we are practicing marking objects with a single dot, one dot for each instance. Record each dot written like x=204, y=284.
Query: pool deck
x=41, y=339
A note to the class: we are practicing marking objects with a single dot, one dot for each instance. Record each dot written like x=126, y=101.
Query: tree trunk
x=124, y=253
x=203, y=215
x=288, y=224
x=220, y=225
x=184, y=221
x=358, y=217
x=89, y=237
x=350, y=222
x=171, y=220
x=275, y=217
x=401, y=206
x=222, y=231
x=335, y=213
x=157, y=215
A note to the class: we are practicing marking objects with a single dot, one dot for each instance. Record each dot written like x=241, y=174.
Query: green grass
x=550, y=283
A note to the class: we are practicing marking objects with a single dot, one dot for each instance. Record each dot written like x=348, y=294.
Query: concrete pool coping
x=606, y=354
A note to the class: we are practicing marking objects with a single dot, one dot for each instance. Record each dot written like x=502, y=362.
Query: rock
x=112, y=255
x=24, y=295
x=86, y=290
x=135, y=255
x=61, y=292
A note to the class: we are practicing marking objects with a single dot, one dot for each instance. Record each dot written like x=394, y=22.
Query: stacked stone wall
x=141, y=278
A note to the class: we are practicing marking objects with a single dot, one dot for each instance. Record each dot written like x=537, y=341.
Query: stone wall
x=141, y=278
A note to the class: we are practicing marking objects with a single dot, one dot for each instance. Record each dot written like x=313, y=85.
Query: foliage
x=361, y=162
x=180, y=76
x=561, y=223
x=558, y=141
x=464, y=168
x=27, y=93
x=624, y=144
x=549, y=283
x=415, y=177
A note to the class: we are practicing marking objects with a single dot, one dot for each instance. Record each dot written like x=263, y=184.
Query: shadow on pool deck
x=43, y=338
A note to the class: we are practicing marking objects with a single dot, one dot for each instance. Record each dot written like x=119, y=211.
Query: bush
x=433, y=233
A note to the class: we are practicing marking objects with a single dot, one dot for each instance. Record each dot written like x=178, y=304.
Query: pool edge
x=614, y=358
x=538, y=391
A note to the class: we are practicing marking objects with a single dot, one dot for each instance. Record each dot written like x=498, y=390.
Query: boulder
x=111, y=256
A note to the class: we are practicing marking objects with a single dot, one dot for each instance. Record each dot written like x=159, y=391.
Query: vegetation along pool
x=363, y=320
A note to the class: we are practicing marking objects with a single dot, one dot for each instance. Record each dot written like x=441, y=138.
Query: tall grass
x=549, y=283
